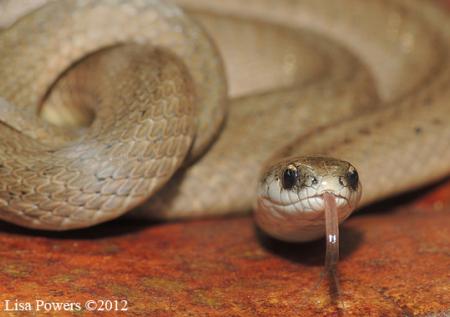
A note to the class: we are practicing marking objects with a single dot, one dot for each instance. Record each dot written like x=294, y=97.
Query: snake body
x=364, y=81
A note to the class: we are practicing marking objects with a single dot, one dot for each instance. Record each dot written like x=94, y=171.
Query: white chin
x=303, y=220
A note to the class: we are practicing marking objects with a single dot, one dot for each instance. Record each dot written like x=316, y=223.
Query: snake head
x=290, y=204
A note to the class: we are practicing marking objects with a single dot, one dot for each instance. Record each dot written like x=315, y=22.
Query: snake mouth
x=313, y=203
x=337, y=196
x=320, y=196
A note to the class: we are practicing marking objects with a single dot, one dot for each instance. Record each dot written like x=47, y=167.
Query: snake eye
x=290, y=176
x=353, y=178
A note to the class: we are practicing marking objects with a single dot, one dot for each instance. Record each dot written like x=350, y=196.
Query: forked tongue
x=332, y=236
x=332, y=250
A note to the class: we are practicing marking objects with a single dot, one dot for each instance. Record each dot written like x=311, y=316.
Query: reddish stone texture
x=395, y=261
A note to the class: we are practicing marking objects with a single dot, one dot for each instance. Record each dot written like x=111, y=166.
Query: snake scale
x=108, y=106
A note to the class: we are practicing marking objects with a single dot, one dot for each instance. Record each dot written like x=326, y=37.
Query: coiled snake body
x=101, y=102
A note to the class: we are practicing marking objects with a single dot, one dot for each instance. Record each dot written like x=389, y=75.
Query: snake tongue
x=332, y=236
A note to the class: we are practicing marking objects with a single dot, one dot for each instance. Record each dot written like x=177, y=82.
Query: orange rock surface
x=395, y=261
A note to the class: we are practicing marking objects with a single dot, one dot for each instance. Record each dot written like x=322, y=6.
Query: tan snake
x=156, y=86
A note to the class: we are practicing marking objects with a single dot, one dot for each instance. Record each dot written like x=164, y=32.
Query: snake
x=206, y=108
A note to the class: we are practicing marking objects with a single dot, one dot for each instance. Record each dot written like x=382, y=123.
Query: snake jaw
x=291, y=223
